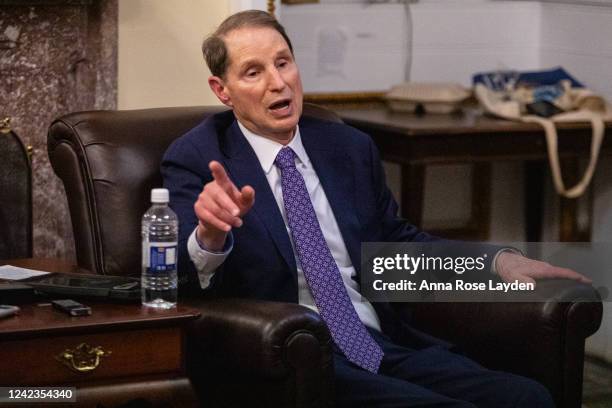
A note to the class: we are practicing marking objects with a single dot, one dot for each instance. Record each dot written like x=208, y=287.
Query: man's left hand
x=514, y=267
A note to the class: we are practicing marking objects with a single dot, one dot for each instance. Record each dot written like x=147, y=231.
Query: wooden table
x=414, y=141
x=120, y=353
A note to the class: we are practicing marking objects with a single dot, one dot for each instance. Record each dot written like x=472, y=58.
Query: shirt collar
x=266, y=149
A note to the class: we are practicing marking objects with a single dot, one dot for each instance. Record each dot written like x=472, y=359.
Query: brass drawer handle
x=84, y=358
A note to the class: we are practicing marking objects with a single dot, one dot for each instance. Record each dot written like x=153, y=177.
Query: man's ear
x=218, y=87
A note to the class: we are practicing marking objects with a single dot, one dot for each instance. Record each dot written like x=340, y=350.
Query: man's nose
x=276, y=82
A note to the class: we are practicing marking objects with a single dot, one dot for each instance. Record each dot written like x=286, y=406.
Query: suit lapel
x=333, y=167
x=244, y=168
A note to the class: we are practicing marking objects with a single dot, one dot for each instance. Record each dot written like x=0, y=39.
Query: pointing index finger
x=219, y=173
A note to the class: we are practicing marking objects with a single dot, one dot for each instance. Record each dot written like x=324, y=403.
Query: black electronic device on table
x=98, y=286
x=16, y=293
x=71, y=307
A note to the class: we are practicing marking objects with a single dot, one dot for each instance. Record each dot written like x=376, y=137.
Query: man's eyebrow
x=285, y=52
x=248, y=63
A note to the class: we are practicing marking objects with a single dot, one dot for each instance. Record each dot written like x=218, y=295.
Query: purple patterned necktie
x=321, y=271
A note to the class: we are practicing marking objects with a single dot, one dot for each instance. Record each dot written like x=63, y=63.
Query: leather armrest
x=261, y=338
x=493, y=320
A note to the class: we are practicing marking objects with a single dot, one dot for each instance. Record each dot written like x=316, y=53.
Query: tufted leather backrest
x=109, y=162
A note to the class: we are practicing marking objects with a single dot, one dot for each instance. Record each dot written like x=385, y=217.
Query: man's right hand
x=220, y=207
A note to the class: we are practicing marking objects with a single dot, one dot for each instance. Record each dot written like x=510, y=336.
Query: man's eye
x=282, y=64
x=251, y=73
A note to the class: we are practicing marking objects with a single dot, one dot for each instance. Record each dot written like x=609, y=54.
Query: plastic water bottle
x=159, y=252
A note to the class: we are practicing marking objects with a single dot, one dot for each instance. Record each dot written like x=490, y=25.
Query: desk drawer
x=43, y=361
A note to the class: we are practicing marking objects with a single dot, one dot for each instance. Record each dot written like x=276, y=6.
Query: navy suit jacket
x=262, y=264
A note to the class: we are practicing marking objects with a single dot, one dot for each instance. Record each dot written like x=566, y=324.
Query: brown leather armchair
x=254, y=353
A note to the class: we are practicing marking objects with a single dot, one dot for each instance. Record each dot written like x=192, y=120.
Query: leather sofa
x=255, y=353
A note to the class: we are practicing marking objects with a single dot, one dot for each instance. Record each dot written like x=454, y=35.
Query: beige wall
x=160, y=63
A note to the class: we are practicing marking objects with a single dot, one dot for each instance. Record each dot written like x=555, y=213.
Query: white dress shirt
x=207, y=262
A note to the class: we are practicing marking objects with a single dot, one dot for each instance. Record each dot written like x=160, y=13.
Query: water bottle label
x=161, y=257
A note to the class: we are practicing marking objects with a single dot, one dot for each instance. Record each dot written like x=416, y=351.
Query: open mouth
x=280, y=105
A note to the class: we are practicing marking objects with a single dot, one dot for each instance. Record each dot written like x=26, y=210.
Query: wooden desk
x=414, y=141
x=143, y=351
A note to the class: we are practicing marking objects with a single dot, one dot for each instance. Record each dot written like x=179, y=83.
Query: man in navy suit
x=240, y=233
